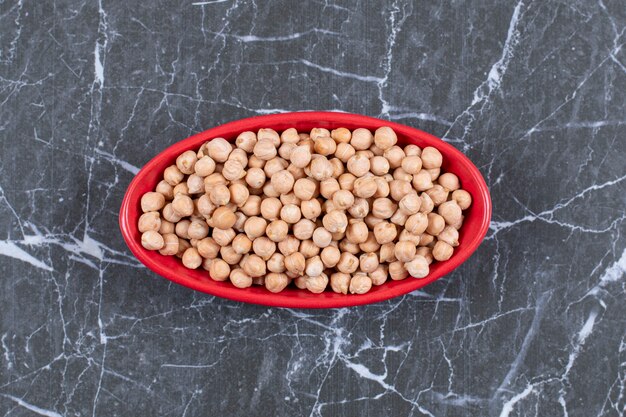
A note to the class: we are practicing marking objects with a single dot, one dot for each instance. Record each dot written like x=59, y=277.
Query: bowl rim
x=130, y=206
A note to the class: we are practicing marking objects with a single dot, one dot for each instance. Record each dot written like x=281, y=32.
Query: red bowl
x=474, y=228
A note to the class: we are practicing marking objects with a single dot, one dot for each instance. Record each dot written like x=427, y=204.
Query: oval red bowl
x=474, y=228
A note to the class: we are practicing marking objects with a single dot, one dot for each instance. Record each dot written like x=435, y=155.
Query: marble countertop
x=532, y=91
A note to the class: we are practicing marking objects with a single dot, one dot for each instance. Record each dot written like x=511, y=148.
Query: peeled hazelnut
x=152, y=240
x=360, y=284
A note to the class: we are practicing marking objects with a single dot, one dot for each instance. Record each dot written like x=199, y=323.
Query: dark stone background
x=533, y=92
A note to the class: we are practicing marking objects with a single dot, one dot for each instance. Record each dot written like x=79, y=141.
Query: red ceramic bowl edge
x=129, y=212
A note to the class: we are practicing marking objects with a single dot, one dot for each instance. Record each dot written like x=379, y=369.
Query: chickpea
x=397, y=271
x=346, y=181
x=328, y=188
x=434, y=173
x=416, y=223
x=361, y=139
x=427, y=203
x=358, y=165
x=359, y=209
x=205, y=166
x=383, y=208
x=431, y=157
x=275, y=282
x=164, y=188
x=322, y=237
x=290, y=213
x=412, y=164
x=426, y=253
x=438, y=194
x=290, y=136
x=165, y=228
x=308, y=248
x=223, y=237
x=277, y=230
x=255, y=178
x=385, y=232
x=311, y=209
x=368, y=262
x=335, y=221
x=449, y=181
x=401, y=174
x=282, y=181
x=418, y=267
x=385, y=137
x=288, y=246
x=172, y=175
x=254, y=162
x=344, y=152
x=182, y=205
x=341, y=135
x=338, y=167
x=191, y=258
x=314, y=266
x=270, y=208
x=442, y=251
x=223, y=218
x=183, y=245
x=379, y=165
x=410, y=204
x=208, y=248
x=406, y=236
x=342, y=199
x=252, y=206
x=276, y=263
x=387, y=252
x=348, y=263
x=394, y=155
x=186, y=161
x=360, y=284
x=321, y=168
x=170, y=244
x=346, y=246
x=317, y=284
x=240, y=279
x=289, y=198
x=264, y=247
x=246, y=141
x=372, y=221
x=219, y=149
x=265, y=149
x=295, y=263
x=169, y=214
x=181, y=189
x=238, y=194
x=412, y=150
x=365, y=187
x=233, y=170
x=404, y=251
x=149, y=221
x=152, y=201
x=152, y=240
x=229, y=255
x=305, y=189
x=300, y=156
x=436, y=224
x=426, y=239
x=298, y=281
x=458, y=224
x=370, y=244
x=198, y=229
x=330, y=256
x=219, y=195
x=463, y=198
x=285, y=150
x=274, y=165
x=195, y=184
x=324, y=146
x=254, y=266
x=450, y=211
x=399, y=188
x=379, y=275
x=339, y=282
x=318, y=132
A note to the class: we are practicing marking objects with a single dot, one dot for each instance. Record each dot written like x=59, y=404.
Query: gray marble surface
x=534, y=324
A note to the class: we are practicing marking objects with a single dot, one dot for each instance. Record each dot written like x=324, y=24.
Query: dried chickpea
x=370, y=244
x=219, y=195
x=338, y=167
x=412, y=150
x=360, y=209
x=246, y=141
x=269, y=191
x=379, y=165
x=385, y=137
x=288, y=246
x=328, y=187
x=330, y=256
x=385, y=232
x=149, y=221
x=426, y=239
x=254, y=162
x=318, y=132
x=360, y=284
x=300, y=156
x=458, y=224
x=229, y=255
x=164, y=188
x=166, y=227
x=346, y=181
x=181, y=189
x=427, y=203
x=252, y=206
x=265, y=149
x=342, y=199
x=223, y=237
x=416, y=223
x=277, y=230
x=308, y=248
x=426, y=253
x=399, y=188
x=324, y=145
x=233, y=170
x=172, y=175
x=431, y=157
x=346, y=246
x=450, y=211
x=310, y=209
x=438, y=194
x=238, y=194
x=170, y=244
x=383, y=208
x=387, y=252
x=264, y=247
x=412, y=164
x=344, y=152
x=372, y=221
x=410, y=204
x=341, y=135
x=348, y=263
x=254, y=266
x=365, y=187
x=182, y=205
x=379, y=275
x=358, y=165
x=463, y=198
x=368, y=262
x=404, y=251
x=208, y=248
x=195, y=184
x=394, y=155
x=219, y=149
x=213, y=180
x=322, y=237
x=449, y=181
x=186, y=161
x=382, y=187
x=198, y=229
x=339, y=282
x=406, y=236
x=442, y=251
x=298, y=281
x=314, y=266
x=401, y=174
x=191, y=258
x=285, y=150
x=169, y=214
x=282, y=181
x=242, y=244
x=321, y=168
x=335, y=221
x=436, y=224
x=434, y=173
x=240, y=279
x=276, y=263
x=289, y=198
x=274, y=165
x=276, y=282
x=305, y=189
x=295, y=263
x=223, y=218
x=418, y=267
x=270, y=208
x=205, y=166
x=152, y=201
x=290, y=136
x=361, y=139
x=152, y=240
x=317, y=284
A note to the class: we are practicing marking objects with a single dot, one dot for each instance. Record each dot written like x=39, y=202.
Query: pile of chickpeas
x=345, y=208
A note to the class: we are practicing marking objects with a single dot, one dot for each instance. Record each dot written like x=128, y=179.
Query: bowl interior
x=472, y=232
